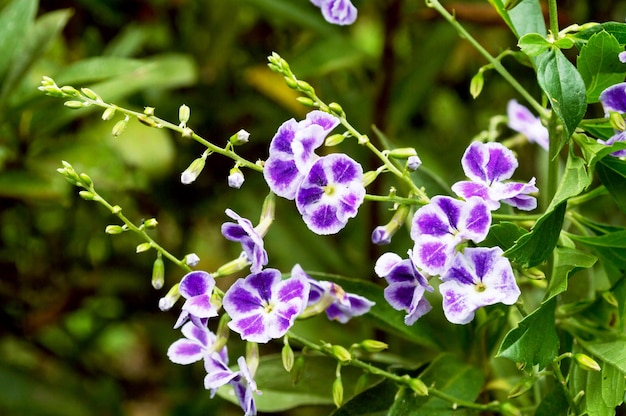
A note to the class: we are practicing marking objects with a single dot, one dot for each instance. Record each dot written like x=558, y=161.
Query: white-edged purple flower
x=523, y=121
x=406, y=288
x=263, y=306
x=338, y=12
x=331, y=193
x=614, y=99
x=292, y=151
x=196, y=287
x=251, y=241
x=620, y=136
x=218, y=375
x=488, y=165
x=477, y=277
x=196, y=345
x=338, y=304
x=438, y=227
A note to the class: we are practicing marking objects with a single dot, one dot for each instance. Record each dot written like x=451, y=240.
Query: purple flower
x=406, y=286
x=620, y=136
x=614, y=98
x=250, y=240
x=218, y=375
x=622, y=57
x=262, y=306
x=487, y=165
x=438, y=227
x=331, y=298
x=196, y=287
x=523, y=121
x=330, y=193
x=197, y=344
x=292, y=151
x=338, y=12
x=477, y=277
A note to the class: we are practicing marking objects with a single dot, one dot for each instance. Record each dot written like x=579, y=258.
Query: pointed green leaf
x=534, y=341
x=565, y=89
x=15, y=20
x=525, y=17
x=567, y=261
x=598, y=64
x=554, y=404
x=617, y=29
x=533, y=44
x=611, y=352
x=612, y=173
x=503, y=235
x=374, y=401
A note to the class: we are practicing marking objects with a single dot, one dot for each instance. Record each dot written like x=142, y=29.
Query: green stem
x=581, y=199
x=554, y=18
x=553, y=157
x=395, y=199
x=493, y=61
x=559, y=377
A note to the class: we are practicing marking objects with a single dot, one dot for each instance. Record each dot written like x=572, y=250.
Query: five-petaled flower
x=329, y=297
x=263, y=306
x=488, y=165
x=439, y=227
x=523, y=121
x=406, y=288
x=477, y=277
x=251, y=241
x=331, y=193
x=196, y=287
x=339, y=12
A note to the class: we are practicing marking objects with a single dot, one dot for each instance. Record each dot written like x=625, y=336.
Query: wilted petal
x=614, y=98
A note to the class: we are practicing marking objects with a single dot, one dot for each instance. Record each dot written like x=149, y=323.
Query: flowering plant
x=499, y=257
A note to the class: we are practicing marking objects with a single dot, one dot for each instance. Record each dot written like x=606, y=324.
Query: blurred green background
x=80, y=331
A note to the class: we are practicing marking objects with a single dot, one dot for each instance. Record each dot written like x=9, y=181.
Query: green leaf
x=534, y=341
x=525, y=17
x=451, y=376
x=565, y=89
x=554, y=404
x=593, y=151
x=533, y=44
x=576, y=179
x=313, y=388
x=503, y=235
x=615, y=239
x=611, y=352
x=374, y=401
x=612, y=173
x=567, y=261
x=15, y=21
x=618, y=30
x=604, y=390
x=598, y=64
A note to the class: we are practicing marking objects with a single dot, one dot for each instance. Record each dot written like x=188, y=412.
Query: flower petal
x=614, y=98
x=196, y=283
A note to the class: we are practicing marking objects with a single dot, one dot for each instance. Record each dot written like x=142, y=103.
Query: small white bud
x=239, y=138
x=192, y=259
x=235, y=179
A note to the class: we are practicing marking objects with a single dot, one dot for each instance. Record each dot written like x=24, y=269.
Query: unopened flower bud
x=372, y=345
x=239, y=138
x=413, y=163
x=418, y=386
x=291, y=83
x=287, y=355
x=304, y=86
x=87, y=196
x=116, y=209
x=338, y=392
x=252, y=357
x=86, y=180
x=507, y=409
x=184, y=113
x=362, y=382
x=143, y=247
x=108, y=113
x=222, y=333
x=476, y=84
x=149, y=111
x=306, y=101
x=119, y=127
x=70, y=91
x=235, y=179
x=90, y=94
x=586, y=362
x=267, y=214
x=193, y=171
x=74, y=104
x=114, y=229
x=336, y=109
x=334, y=140
x=341, y=353
x=158, y=273
x=167, y=301
x=383, y=233
x=403, y=152
x=150, y=223
x=369, y=177
x=192, y=259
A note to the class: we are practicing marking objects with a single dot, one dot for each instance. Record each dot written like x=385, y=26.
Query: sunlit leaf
x=15, y=21
x=598, y=64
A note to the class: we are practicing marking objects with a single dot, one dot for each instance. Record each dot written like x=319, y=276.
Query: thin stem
x=554, y=18
x=559, y=376
x=493, y=61
x=554, y=133
x=581, y=199
x=395, y=199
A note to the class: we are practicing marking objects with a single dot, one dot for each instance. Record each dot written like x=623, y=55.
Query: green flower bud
x=617, y=121
x=252, y=357
x=167, y=301
x=362, y=382
x=74, y=104
x=114, y=229
x=87, y=196
x=586, y=362
x=239, y=138
x=304, y=86
x=108, y=113
x=338, y=392
x=372, y=345
x=287, y=355
x=334, y=140
x=306, y=101
x=86, y=180
x=193, y=171
x=158, y=273
x=184, y=113
x=143, y=247
x=336, y=109
x=342, y=354
x=418, y=386
x=267, y=214
x=90, y=94
x=476, y=84
x=70, y=91
x=403, y=152
x=369, y=177
x=291, y=83
x=119, y=127
x=116, y=209
x=150, y=223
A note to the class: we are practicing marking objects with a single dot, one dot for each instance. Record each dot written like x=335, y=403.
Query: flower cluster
x=328, y=190
x=470, y=277
x=260, y=307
